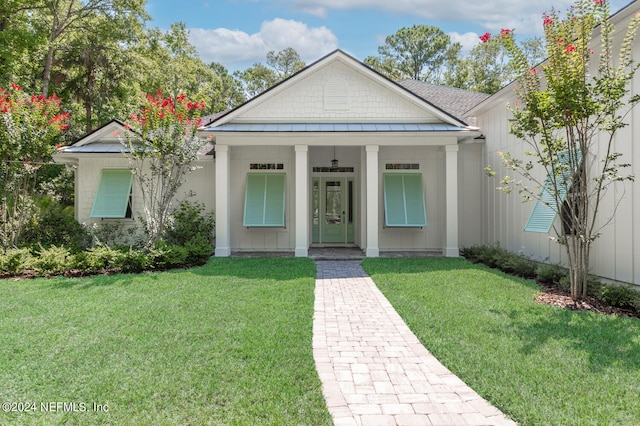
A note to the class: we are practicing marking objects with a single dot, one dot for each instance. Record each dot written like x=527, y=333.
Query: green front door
x=333, y=210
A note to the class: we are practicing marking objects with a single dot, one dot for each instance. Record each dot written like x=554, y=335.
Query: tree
x=258, y=78
x=566, y=118
x=487, y=68
x=171, y=62
x=285, y=62
x=228, y=92
x=421, y=52
x=162, y=146
x=385, y=66
x=29, y=127
x=95, y=65
x=62, y=17
x=17, y=35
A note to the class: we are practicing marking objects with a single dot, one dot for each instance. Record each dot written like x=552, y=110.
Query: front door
x=333, y=210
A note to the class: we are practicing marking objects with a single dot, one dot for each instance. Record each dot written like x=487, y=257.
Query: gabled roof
x=342, y=57
x=453, y=100
x=106, y=140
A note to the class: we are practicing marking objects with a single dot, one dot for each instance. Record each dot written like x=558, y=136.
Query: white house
x=338, y=155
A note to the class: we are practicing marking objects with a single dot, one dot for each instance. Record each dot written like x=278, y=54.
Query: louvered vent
x=336, y=94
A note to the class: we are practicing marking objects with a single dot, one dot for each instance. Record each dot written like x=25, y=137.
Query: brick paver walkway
x=373, y=369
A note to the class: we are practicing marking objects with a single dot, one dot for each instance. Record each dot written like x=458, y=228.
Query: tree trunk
x=46, y=75
x=578, y=252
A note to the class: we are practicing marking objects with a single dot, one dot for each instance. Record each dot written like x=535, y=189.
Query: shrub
x=54, y=224
x=550, y=274
x=53, y=260
x=485, y=254
x=496, y=257
x=594, y=286
x=516, y=264
x=620, y=295
x=189, y=222
x=134, y=260
x=99, y=258
x=15, y=260
x=565, y=283
x=113, y=234
x=165, y=256
x=199, y=249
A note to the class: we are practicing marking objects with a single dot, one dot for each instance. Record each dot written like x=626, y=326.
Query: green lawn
x=541, y=365
x=226, y=343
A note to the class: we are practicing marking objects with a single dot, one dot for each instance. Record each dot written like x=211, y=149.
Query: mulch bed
x=552, y=295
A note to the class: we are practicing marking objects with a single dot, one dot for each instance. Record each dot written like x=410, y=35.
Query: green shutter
x=404, y=200
x=545, y=210
x=112, y=197
x=264, y=200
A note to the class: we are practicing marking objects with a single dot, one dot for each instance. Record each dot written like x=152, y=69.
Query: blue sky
x=238, y=33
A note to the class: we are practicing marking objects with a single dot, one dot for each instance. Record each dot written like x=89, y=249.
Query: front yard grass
x=540, y=364
x=226, y=343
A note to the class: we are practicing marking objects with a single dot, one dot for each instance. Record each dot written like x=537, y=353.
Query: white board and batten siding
x=616, y=254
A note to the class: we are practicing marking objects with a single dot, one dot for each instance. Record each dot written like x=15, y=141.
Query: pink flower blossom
x=570, y=48
x=505, y=32
x=485, y=37
x=547, y=21
x=599, y=2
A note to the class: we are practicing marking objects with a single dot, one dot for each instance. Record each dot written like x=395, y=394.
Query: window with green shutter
x=545, y=210
x=264, y=202
x=113, y=199
x=404, y=200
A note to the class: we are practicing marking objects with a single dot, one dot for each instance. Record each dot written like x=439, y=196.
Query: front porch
x=341, y=206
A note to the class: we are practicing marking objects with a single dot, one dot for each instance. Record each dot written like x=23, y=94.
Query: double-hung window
x=113, y=199
x=264, y=203
x=404, y=204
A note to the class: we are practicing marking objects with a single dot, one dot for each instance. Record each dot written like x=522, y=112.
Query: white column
x=302, y=201
x=451, y=248
x=372, y=249
x=223, y=216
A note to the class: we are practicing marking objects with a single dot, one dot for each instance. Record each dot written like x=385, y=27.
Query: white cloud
x=523, y=15
x=237, y=49
x=467, y=40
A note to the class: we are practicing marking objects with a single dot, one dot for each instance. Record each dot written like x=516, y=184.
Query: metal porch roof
x=336, y=127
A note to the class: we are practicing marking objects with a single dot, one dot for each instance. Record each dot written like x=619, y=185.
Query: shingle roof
x=450, y=99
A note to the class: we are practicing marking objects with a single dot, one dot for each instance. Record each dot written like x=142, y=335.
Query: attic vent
x=336, y=94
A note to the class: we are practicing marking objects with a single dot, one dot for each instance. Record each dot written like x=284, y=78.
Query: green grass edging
x=541, y=365
x=226, y=343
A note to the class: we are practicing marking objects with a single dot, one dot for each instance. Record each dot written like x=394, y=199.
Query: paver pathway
x=373, y=369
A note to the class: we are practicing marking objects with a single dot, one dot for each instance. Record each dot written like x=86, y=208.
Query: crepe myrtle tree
x=30, y=129
x=162, y=146
x=567, y=113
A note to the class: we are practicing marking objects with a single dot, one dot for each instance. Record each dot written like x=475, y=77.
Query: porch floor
x=338, y=253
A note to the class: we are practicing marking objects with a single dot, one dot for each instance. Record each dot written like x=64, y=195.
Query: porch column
x=223, y=228
x=302, y=200
x=372, y=249
x=451, y=248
